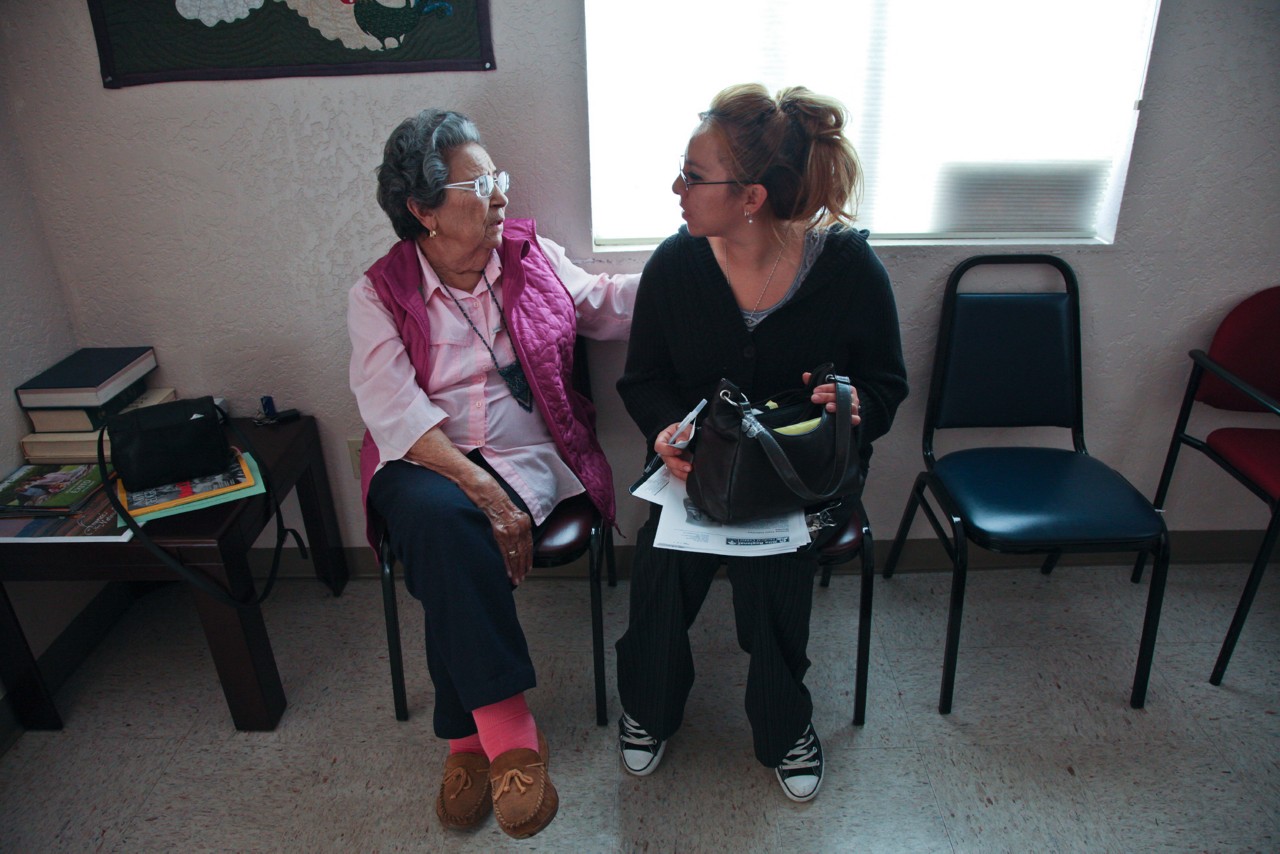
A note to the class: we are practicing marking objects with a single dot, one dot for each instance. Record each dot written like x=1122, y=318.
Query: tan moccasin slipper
x=524, y=800
x=464, y=798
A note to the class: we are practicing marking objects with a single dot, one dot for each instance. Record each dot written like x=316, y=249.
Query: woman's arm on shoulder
x=648, y=383
x=605, y=301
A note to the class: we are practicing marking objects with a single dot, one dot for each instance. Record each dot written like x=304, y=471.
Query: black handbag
x=766, y=458
x=174, y=442
x=168, y=443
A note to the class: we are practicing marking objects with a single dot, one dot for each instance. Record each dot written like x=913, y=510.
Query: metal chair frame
x=1202, y=362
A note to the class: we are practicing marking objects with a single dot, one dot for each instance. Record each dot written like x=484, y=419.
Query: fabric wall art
x=155, y=41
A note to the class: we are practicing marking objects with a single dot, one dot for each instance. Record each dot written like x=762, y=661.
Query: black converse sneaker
x=640, y=751
x=801, y=770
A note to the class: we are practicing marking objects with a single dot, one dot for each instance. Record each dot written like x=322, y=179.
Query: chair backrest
x=1007, y=359
x=1247, y=344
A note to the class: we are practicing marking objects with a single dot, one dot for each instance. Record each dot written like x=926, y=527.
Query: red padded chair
x=1240, y=373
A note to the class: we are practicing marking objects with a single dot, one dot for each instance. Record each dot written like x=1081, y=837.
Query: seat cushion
x=1042, y=499
x=845, y=544
x=566, y=533
x=1254, y=451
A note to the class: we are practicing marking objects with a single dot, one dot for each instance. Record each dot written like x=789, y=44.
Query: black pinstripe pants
x=772, y=600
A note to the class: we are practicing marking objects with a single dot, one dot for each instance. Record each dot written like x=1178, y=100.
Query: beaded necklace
x=512, y=374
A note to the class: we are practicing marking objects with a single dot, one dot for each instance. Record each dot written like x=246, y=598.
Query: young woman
x=765, y=281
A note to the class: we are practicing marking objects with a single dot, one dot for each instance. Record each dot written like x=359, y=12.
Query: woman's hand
x=512, y=528
x=677, y=460
x=825, y=395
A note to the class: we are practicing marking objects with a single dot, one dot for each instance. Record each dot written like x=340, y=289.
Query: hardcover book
x=64, y=420
x=89, y=377
x=63, y=448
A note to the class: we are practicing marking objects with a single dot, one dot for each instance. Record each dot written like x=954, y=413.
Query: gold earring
x=431, y=232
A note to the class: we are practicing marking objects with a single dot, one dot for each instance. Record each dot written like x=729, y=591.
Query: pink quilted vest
x=542, y=321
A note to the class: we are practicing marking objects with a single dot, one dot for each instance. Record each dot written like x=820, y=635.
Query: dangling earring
x=750, y=219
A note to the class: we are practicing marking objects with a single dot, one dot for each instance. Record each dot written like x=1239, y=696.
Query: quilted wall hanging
x=155, y=41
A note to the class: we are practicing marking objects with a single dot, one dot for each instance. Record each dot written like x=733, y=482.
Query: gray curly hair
x=413, y=165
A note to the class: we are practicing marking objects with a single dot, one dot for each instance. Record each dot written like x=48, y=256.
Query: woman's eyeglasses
x=483, y=185
x=690, y=183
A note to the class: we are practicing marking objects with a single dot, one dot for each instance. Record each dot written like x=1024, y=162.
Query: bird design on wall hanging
x=369, y=24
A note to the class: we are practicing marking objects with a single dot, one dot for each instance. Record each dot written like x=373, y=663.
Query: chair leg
x=904, y=526
x=1246, y=599
x=594, y=558
x=394, y=654
x=1050, y=561
x=1171, y=458
x=610, y=558
x=955, y=617
x=864, y=629
x=1150, y=624
x=826, y=575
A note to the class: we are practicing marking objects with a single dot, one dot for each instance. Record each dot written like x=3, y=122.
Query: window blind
x=985, y=120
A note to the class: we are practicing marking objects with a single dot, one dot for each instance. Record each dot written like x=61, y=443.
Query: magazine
x=95, y=522
x=46, y=489
x=144, y=501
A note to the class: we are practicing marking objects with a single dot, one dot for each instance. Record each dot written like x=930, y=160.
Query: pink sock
x=470, y=744
x=506, y=725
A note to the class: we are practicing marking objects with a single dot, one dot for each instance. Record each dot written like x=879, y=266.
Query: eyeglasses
x=689, y=185
x=483, y=185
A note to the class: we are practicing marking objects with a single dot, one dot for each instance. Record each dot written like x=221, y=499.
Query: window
x=981, y=120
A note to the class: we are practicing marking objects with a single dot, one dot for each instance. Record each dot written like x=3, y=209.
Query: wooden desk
x=216, y=541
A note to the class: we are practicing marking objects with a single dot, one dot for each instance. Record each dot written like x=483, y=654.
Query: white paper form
x=684, y=527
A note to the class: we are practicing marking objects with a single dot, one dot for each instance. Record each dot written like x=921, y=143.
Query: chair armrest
x=1202, y=359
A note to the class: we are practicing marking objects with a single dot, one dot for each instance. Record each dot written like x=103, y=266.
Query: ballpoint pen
x=655, y=462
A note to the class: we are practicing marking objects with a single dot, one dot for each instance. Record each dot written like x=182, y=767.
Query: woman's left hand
x=825, y=395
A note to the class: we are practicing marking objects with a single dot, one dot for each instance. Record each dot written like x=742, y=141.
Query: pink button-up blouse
x=465, y=396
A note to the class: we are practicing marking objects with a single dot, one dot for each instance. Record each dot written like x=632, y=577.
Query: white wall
x=35, y=331
x=223, y=222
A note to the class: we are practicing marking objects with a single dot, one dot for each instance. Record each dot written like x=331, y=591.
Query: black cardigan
x=687, y=332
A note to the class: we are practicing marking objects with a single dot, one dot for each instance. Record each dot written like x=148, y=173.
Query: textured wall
x=223, y=222
x=35, y=331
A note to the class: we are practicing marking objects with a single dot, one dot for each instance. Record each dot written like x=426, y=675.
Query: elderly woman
x=462, y=341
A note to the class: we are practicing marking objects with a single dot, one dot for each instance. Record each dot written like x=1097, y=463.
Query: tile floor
x=1041, y=753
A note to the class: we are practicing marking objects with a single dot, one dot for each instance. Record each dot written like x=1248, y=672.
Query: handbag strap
x=778, y=457
x=196, y=578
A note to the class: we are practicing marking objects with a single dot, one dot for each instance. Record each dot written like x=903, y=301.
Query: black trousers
x=772, y=601
x=476, y=649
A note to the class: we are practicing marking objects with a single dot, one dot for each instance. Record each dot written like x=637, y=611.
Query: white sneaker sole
x=646, y=770
x=800, y=799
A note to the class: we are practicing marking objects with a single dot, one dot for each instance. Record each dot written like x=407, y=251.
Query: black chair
x=574, y=528
x=854, y=540
x=1240, y=373
x=1012, y=360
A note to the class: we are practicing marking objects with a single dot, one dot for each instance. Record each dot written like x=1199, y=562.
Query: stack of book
x=70, y=402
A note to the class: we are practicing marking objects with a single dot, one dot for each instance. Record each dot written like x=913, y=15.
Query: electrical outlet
x=353, y=448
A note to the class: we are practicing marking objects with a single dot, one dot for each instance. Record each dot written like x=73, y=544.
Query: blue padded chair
x=1012, y=360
